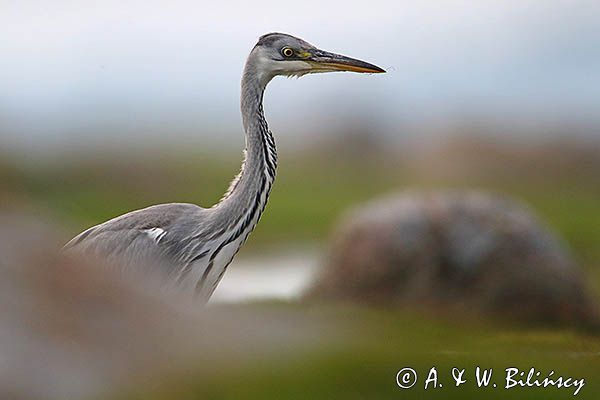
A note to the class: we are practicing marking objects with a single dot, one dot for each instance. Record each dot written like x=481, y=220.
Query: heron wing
x=158, y=235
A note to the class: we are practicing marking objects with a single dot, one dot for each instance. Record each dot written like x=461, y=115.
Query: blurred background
x=113, y=106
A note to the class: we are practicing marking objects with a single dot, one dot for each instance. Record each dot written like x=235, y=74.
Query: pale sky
x=72, y=72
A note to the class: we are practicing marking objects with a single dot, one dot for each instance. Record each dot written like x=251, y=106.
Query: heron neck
x=249, y=191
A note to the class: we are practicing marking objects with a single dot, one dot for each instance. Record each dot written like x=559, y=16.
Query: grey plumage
x=191, y=246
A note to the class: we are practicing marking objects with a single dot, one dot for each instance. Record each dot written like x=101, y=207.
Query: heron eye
x=287, y=52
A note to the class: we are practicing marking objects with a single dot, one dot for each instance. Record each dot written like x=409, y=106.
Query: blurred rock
x=456, y=251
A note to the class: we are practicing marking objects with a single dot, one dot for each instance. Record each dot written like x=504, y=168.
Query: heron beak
x=325, y=61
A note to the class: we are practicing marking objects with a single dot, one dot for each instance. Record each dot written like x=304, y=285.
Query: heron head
x=283, y=54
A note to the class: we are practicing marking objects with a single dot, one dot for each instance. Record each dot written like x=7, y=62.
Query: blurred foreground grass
x=371, y=346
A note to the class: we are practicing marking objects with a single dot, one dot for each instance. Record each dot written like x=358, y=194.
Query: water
x=282, y=276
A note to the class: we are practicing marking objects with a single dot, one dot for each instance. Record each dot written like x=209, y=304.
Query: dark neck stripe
x=269, y=150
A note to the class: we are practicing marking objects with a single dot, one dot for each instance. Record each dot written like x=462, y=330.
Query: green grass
x=371, y=346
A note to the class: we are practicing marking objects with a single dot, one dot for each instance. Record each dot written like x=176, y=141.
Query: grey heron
x=193, y=245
